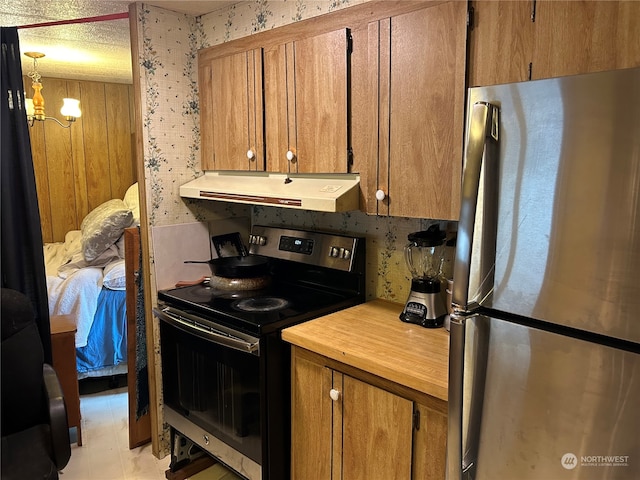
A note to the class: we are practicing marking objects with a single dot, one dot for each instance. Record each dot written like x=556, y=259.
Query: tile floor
x=105, y=453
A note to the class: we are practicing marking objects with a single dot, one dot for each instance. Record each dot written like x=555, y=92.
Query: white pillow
x=114, y=276
x=78, y=261
x=103, y=226
x=132, y=200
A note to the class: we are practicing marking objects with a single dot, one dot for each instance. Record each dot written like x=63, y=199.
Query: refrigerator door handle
x=469, y=341
x=456, y=379
x=481, y=148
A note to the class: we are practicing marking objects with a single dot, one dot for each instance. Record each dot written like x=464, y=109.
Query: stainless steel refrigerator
x=544, y=379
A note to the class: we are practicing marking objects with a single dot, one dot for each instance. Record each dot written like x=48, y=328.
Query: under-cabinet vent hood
x=323, y=193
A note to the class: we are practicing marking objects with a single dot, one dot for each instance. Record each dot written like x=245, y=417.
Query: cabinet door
x=306, y=104
x=582, y=37
x=430, y=443
x=311, y=423
x=279, y=108
x=517, y=41
x=377, y=429
x=421, y=80
x=500, y=42
x=344, y=428
x=321, y=66
x=231, y=112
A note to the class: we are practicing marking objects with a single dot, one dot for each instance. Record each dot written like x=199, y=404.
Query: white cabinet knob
x=250, y=155
x=334, y=394
x=290, y=155
x=380, y=195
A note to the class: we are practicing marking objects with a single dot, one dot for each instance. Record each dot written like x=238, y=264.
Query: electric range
x=226, y=370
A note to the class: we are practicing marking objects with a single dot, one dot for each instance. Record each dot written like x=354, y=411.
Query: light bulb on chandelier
x=35, y=105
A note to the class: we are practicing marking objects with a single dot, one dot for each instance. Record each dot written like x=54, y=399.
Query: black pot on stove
x=250, y=272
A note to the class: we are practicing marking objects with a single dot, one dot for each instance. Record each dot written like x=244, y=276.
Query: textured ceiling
x=98, y=51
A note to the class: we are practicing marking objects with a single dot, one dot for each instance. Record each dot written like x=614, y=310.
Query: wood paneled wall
x=79, y=168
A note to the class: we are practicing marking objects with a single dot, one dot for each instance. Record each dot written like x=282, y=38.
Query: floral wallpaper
x=167, y=44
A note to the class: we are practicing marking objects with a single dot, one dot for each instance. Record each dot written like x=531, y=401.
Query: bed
x=86, y=280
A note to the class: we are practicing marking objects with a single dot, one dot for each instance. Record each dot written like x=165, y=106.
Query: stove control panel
x=311, y=247
x=296, y=244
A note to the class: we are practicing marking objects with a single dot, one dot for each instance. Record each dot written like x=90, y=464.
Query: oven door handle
x=214, y=334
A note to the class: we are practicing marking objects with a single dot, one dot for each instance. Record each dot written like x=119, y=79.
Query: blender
x=424, y=255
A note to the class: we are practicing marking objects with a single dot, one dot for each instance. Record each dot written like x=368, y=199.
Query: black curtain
x=22, y=266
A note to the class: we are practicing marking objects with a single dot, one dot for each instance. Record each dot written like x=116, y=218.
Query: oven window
x=213, y=386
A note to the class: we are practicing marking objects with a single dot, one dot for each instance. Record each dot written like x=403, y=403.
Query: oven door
x=210, y=379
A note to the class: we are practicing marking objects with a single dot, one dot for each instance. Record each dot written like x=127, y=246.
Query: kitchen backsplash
x=387, y=273
x=168, y=78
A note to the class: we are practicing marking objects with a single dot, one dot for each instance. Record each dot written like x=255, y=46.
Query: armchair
x=35, y=433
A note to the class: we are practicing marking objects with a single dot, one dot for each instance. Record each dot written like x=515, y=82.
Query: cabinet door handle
x=291, y=156
x=380, y=195
x=251, y=155
x=334, y=394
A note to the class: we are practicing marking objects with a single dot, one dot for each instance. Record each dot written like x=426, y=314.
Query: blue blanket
x=107, y=340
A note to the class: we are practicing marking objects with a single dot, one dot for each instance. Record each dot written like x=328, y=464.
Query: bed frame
x=137, y=382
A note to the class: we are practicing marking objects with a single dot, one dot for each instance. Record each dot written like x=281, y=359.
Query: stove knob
x=257, y=240
x=206, y=439
x=346, y=254
x=334, y=252
x=334, y=394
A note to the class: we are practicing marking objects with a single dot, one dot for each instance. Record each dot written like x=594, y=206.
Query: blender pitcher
x=424, y=255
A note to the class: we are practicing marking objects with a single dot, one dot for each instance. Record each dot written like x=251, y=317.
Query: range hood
x=323, y=193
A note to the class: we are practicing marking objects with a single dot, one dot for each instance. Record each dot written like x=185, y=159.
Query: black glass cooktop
x=258, y=311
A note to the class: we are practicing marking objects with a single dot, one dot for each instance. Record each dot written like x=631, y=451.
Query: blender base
x=424, y=309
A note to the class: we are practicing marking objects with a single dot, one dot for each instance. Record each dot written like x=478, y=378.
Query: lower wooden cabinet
x=348, y=424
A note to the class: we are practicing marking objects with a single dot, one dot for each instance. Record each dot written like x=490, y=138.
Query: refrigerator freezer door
x=567, y=234
x=478, y=206
x=552, y=407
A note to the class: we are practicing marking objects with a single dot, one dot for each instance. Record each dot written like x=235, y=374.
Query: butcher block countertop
x=372, y=338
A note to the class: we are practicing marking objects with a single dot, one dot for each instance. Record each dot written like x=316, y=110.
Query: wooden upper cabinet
x=517, y=41
x=417, y=85
x=500, y=42
x=231, y=120
x=279, y=116
x=306, y=89
x=573, y=37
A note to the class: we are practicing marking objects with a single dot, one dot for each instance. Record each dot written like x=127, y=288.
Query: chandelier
x=35, y=106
